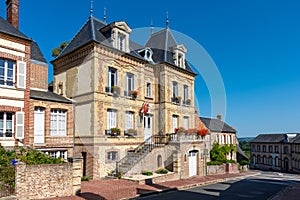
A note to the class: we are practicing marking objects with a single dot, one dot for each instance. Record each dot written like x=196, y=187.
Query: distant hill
x=247, y=139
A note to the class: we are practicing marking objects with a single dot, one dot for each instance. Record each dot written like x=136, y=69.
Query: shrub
x=147, y=173
x=162, y=171
x=244, y=162
x=85, y=178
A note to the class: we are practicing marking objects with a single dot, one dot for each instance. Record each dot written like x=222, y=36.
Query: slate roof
x=241, y=152
x=270, y=138
x=161, y=44
x=91, y=32
x=36, y=53
x=7, y=28
x=216, y=125
x=48, y=96
x=296, y=139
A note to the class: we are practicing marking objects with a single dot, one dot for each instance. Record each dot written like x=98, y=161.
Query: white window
x=180, y=60
x=129, y=83
x=112, y=77
x=112, y=155
x=121, y=42
x=58, y=122
x=175, y=89
x=111, y=119
x=7, y=69
x=174, y=122
x=57, y=154
x=185, y=92
x=148, y=90
x=129, y=120
x=185, y=123
x=6, y=124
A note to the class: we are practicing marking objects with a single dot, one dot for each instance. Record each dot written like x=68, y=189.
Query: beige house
x=125, y=93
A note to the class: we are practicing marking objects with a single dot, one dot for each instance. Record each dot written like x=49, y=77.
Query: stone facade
x=48, y=181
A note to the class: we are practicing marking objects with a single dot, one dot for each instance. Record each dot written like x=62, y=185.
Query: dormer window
x=147, y=54
x=179, y=55
x=120, y=32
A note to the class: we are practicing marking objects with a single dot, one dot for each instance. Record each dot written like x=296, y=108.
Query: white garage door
x=192, y=163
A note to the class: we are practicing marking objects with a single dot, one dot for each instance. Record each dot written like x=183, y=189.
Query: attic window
x=121, y=41
x=180, y=60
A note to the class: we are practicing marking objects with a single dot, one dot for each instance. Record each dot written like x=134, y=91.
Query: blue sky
x=255, y=45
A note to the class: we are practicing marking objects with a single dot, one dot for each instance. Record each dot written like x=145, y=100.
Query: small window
x=60, y=88
x=175, y=89
x=264, y=148
x=6, y=124
x=276, y=149
x=112, y=79
x=270, y=149
x=112, y=155
x=121, y=41
x=58, y=122
x=258, y=148
x=7, y=71
x=148, y=90
x=129, y=84
x=174, y=122
x=286, y=150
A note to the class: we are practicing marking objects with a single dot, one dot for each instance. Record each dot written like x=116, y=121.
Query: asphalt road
x=258, y=187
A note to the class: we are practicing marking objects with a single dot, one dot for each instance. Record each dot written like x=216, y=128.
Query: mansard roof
x=9, y=29
x=162, y=44
x=91, y=32
x=270, y=138
x=216, y=125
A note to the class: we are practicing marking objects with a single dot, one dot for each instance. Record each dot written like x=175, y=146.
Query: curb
x=184, y=187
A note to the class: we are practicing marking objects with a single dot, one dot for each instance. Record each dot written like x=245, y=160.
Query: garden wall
x=48, y=180
x=222, y=169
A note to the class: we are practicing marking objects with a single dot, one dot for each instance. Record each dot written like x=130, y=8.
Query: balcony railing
x=186, y=102
x=173, y=137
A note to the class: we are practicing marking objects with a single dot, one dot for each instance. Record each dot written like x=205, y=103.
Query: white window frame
x=185, y=92
x=174, y=89
x=129, y=120
x=58, y=122
x=185, y=122
x=112, y=72
x=111, y=119
x=121, y=41
x=5, y=75
x=129, y=82
x=4, y=122
x=148, y=89
x=174, y=122
x=112, y=156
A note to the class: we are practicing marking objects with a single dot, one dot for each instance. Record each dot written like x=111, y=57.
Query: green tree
x=56, y=51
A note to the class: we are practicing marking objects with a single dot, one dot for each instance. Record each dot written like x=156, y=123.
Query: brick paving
x=120, y=189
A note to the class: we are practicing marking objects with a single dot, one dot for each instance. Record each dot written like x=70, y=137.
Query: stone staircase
x=133, y=157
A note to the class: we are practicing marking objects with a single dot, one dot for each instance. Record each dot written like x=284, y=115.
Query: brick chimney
x=219, y=117
x=12, y=12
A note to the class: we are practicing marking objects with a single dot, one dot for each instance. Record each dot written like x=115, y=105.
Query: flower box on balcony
x=176, y=99
x=116, y=90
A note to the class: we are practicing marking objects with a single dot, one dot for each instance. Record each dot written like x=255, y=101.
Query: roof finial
x=167, y=20
x=91, y=10
x=104, y=17
x=152, y=28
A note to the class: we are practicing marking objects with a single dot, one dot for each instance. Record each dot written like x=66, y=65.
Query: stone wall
x=48, y=181
x=222, y=169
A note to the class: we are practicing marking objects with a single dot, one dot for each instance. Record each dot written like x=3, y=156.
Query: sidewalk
x=122, y=189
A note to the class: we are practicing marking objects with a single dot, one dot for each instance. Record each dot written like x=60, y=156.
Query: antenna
x=167, y=20
x=152, y=28
x=91, y=10
x=104, y=17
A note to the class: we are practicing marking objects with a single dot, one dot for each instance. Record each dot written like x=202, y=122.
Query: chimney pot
x=12, y=12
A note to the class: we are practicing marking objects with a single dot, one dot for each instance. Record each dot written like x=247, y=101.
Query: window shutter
x=19, y=125
x=21, y=81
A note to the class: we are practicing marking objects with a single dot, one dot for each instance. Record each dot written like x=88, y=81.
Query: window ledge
x=150, y=98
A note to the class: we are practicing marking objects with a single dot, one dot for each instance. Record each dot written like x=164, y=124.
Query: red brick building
x=30, y=115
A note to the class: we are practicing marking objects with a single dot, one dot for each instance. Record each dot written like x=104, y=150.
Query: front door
x=147, y=126
x=39, y=126
x=192, y=163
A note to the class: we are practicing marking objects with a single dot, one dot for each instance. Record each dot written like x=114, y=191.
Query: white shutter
x=20, y=125
x=21, y=81
x=108, y=119
x=174, y=123
x=113, y=119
